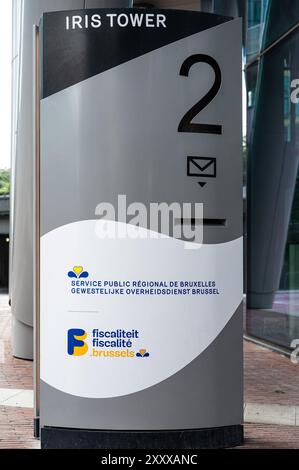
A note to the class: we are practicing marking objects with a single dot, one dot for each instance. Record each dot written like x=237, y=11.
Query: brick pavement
x=269, y=378
x=265, y=436
x=16, y=429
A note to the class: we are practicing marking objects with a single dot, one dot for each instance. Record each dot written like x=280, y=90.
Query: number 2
x=186, y=124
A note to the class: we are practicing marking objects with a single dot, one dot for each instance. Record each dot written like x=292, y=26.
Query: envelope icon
x=203, y=167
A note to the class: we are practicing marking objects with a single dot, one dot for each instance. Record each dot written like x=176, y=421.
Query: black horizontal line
x=205, y=222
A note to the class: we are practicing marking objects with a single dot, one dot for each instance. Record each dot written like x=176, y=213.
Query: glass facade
x=256, y=19
x=282, y=16
x=271, y=45
x=273, y=178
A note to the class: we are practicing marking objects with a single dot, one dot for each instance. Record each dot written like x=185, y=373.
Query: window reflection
x=273, y=178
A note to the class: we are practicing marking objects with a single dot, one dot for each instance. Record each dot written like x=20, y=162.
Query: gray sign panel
x=141, y=328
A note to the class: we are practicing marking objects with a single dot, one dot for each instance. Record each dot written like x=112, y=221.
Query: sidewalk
x=16, y=430
x=271, y=396
x=272, y=380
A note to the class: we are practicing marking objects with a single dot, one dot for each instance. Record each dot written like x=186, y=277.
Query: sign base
x=213, y=438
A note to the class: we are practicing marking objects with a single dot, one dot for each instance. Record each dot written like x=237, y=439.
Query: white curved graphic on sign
x=119, y=316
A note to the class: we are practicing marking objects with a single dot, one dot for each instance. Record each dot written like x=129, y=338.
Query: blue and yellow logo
x=76, y=346
x=142, y=353
x=78, y=273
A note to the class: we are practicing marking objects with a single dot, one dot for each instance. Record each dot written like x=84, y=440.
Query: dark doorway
x=4, y=261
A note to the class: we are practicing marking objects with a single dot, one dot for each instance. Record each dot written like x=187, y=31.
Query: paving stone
x=270, y=414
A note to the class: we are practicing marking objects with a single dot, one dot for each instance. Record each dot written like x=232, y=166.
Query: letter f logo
x=76, y=345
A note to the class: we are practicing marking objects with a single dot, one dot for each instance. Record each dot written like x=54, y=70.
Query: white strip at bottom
x=283, y=415
x=16, y=398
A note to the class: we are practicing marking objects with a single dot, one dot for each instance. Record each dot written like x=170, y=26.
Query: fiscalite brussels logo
x=76, y=345
x=116, y=344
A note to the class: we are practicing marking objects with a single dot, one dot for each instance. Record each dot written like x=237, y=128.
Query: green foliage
x=4, y=182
